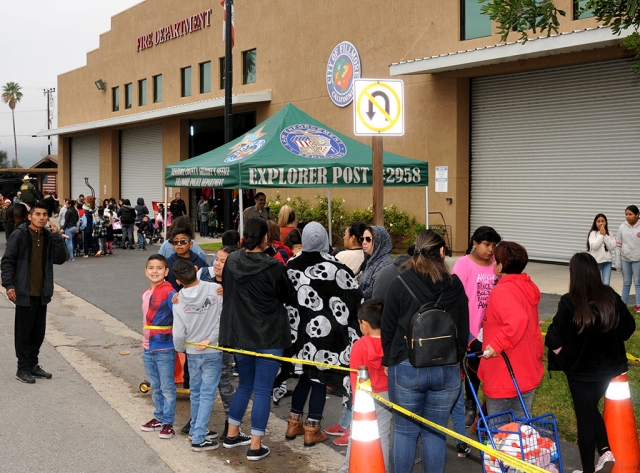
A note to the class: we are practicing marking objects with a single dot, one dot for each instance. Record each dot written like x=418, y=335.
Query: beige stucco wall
x=293, y=41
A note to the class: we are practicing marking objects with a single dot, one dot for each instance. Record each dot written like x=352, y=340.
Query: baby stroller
x=156, y=234
x=117, y=232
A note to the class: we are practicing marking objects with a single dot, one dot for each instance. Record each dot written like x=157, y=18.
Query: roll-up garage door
x=552, y=148
x=85, y=162
x=141, y=170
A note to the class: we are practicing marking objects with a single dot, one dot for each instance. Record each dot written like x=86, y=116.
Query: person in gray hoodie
x=196, y=319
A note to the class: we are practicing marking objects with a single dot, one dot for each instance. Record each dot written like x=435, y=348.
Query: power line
x=23, y=111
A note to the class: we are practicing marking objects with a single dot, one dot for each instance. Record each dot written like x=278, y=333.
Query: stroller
x=156, y=235
x=117, y=232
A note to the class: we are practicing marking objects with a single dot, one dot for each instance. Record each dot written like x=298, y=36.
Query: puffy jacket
x=141, y=210
x=15, y=265
x=127, y=215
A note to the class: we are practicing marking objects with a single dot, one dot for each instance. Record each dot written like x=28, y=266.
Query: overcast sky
x=40, y=39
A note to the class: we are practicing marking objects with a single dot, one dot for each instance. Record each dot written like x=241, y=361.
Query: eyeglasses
x=368, y=239
x=179, y=242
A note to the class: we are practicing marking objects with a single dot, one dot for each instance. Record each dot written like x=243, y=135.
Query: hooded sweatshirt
x=379, y=259
x=628, y=241
x=255, y=289
x=141, y=210
x=511, y=325
x=196, y=317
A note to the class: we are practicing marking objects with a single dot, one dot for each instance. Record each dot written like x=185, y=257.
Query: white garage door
x=141, y=170
x=552, y=148
x=85, y=162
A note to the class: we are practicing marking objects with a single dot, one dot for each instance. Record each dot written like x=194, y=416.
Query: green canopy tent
x=292, y=149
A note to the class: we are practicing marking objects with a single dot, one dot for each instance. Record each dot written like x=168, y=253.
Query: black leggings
x=591, y=429
x=317, y=400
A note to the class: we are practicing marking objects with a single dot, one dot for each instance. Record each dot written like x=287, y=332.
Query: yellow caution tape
x=505, y=457
x=157, y=327
x=630, y=357
x=274, y=357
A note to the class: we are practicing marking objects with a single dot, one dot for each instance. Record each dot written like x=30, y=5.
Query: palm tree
x=11, y=95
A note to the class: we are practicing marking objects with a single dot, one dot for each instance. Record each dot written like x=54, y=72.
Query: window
x=222, y=82
x=579, y=12
x=249, y=59
x=185, y=72
x=157, y=88
x=474, y=24
x=128, y=95
x=205, y=77
x=115, y=99
x=142, y=92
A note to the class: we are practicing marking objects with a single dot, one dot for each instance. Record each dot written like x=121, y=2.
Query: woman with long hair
x=430, y=392
x=586, y=341
x=286, y=221
x=628, y=243
x=254, y=318
x=511, y=325
x=352, y=255
x=600, y=244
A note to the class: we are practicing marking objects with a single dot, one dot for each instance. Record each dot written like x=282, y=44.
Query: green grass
x=211, y=246
x=553, y=394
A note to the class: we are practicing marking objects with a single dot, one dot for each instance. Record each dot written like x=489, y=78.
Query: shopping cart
x=532, y=439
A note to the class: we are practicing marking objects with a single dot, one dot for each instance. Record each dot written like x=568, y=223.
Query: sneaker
x=71, y=260
x=205, y=445
x=167, y=431
x=637, y=308
x=210, y=435
x=606, y=462
x=38, y=372
x=98, y=254
x=463, y=450
x=255, y=455
x=335, y=430
x=237, y=441
x=25, y=376
x=344, y=440
x=151, y=426
x=185, y=430
x=85, y=256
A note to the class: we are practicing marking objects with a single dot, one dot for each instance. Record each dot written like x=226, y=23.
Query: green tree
x=542, y=15
x=4, y=159
x=11, y=95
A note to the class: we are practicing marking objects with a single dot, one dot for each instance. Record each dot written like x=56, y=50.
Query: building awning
x=203, y=105
x=579, y=40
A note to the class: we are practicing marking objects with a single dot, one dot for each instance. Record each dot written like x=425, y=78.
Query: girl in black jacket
x=586, y=341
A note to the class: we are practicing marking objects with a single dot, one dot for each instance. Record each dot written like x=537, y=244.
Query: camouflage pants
x=225, y=387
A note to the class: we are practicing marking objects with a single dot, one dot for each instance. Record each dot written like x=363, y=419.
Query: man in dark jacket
x=177, y=207
x=27, y=275
x=127, y=216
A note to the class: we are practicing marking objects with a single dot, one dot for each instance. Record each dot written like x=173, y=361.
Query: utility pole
x=47, y=93
x=228, y=88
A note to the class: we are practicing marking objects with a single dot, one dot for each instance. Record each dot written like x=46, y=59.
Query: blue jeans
x=142, y=241
x=204, y=228
x=457, y=414
x=256, y=376
x=605, y=270
x=630, y=270
x=70, y=242
x=430, y=393
x=204, y=371
x=159, y=366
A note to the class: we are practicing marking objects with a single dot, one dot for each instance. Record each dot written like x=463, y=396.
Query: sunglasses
x=179, y=242
x=368, y=239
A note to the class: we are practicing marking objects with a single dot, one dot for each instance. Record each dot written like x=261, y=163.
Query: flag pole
x=228, y=88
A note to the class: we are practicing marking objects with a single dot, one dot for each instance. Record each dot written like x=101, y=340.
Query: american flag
x=224, y=21
x=302, y=141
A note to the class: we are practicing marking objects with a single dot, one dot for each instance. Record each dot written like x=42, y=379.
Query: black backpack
x=433, y=340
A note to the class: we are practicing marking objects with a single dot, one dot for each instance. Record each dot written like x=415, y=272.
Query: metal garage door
x=141, y=170
x=552, y=148
x=85, y=162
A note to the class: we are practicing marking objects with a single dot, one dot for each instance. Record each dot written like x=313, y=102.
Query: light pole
x=47, y=93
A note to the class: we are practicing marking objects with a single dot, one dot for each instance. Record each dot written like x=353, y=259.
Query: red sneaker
x=151, y=426
x=344, y=440
x=167, y=431
x=335, y=430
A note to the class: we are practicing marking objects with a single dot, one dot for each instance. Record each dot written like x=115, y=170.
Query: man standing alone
x=177, y=207
x=27, y=275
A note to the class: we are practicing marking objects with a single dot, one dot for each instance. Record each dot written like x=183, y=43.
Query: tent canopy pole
x=329, y=222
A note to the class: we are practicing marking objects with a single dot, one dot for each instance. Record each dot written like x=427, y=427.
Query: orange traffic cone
x=621, y=425
x=178, y=374
x=366, y=449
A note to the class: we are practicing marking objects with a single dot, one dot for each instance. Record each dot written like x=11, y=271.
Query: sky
x=39, y=40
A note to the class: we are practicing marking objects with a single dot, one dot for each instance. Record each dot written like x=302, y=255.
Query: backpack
x=433, y=338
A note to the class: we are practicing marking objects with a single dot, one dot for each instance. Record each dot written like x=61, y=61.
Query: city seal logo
x=343, y=67
x=247, y=146
x=312, y=142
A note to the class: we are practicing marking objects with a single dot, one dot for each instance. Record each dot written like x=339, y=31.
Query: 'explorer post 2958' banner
x=292, y=149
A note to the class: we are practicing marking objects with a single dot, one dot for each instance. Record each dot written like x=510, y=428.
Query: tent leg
x=426, y=207
x=164, y=217
x=240, y=212
x=329, y=215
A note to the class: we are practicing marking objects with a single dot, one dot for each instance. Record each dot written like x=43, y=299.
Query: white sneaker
x=606, y=462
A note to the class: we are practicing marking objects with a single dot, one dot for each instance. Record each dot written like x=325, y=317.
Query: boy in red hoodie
x=158, y=355
x=368, y=352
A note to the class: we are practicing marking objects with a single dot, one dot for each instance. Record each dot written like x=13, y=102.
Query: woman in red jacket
x=511, y=326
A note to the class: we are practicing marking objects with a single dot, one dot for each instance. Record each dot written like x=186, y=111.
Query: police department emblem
x=245, y=151
x=313, y=142
x=343, y=67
